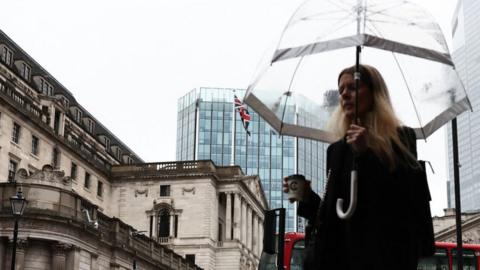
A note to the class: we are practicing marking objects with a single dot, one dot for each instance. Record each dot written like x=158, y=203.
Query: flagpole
x=234, y=117
x=246, y=153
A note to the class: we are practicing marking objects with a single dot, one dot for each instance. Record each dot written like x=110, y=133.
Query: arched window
x=163, y=217
x=166, y=222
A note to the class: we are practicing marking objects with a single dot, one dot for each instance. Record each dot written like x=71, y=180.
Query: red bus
x=443, y=259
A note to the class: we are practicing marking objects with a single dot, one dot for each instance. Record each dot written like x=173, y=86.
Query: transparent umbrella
x=296, y=89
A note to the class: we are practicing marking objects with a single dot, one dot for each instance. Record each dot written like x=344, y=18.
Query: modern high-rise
x=466, y=55
x=208, y=127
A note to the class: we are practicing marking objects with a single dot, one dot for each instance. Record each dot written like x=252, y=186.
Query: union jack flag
x=244, y=114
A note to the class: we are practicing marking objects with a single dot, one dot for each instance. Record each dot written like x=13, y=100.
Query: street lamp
x=18, y=203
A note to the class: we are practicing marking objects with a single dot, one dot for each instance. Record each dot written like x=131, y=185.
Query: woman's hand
x=357, y=137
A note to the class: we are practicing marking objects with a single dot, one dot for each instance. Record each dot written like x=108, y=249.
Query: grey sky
x=127, y=62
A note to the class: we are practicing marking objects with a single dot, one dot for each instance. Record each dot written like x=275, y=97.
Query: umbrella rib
x=406, y=84
x=345, y=8
x=409, y=93
x=319, y=37
x=399, y=19
x=385, y=9
x=374, y=29
x=288, y=94
x=326, y=12
x=318, y=19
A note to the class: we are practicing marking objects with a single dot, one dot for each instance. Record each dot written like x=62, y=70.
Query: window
x=86, y=183
x=107, y=143
x=176, y=226
x=100, y=189
x=438, y=261
x=56, y=121
x=90, y=125
x=7, y=56
x=469, y=259
x=78, y=115
x=26, y=71
x=46, y=88
x=55, y=158
x=220, y=232
x=73, y=171
x=12, y=168
x=164, y=190
x=119, y=153
x=190, y=258
x=297, y=256
x=34, y=145
x=163, y=218
x=16, y=133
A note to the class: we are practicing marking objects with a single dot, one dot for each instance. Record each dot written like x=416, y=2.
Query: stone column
x=243, y=222
x=61, y=127
x=260, y=237
x=94, y=261
x=172, y=221
x=51, y=115
x=236, y=216
x=228, y=217
x=73, y=258
x=19, y=254
x=154, y=225
x=59, y=258
x=249, y=228
x=3, y=249
x=254, y=233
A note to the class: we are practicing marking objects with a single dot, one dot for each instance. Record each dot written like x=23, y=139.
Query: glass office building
x=466, y=55
x=208, y=127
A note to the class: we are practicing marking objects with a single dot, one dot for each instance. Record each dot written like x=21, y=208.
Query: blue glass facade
x=466, y=55
x=209, y=128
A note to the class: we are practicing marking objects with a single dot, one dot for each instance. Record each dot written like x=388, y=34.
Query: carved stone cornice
x=22, y=244
x=60, y=249
x=46, y=176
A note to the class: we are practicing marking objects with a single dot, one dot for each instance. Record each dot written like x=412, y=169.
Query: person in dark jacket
x=393, y=197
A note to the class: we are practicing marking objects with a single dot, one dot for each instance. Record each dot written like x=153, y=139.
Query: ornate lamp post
x=18, y=203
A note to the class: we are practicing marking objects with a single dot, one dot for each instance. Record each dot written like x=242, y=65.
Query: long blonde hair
x=381, y=122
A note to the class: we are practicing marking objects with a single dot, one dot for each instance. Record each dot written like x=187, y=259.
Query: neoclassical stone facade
x=55, y=232
x=74, y=171
x=445, y=228
x=195, y=207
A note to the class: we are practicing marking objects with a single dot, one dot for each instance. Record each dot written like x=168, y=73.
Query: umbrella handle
x=353, y=198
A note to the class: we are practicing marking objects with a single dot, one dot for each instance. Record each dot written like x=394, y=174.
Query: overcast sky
x=128, y=61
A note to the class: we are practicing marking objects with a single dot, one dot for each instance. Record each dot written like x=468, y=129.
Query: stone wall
x=54, y=233
x=217, y=212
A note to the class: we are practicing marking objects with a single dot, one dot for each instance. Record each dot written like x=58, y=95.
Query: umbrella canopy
x=295, y=90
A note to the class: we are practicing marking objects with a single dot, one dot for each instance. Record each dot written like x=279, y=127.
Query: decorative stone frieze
x=141, y=192
x=188, y=190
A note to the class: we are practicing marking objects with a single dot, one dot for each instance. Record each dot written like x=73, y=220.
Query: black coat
x=392, y=214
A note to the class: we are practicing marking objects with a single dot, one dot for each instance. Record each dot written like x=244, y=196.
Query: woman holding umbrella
x=391, y=226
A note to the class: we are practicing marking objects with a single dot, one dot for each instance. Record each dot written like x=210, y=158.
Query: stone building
x=445, y=228
x=74, y=172
x=212, y=213
x=55, y=233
